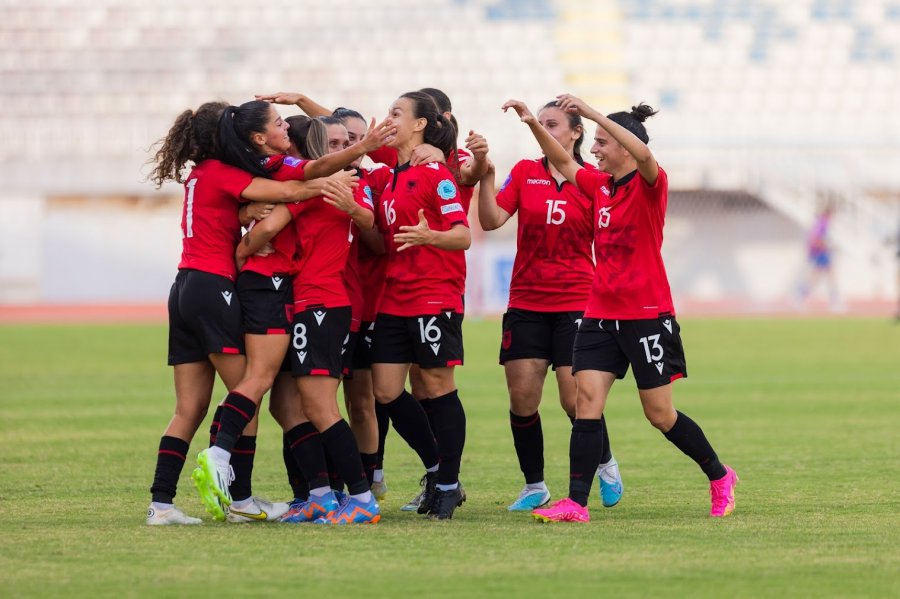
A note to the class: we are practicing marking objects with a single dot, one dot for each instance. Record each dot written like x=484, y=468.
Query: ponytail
x=236, y=125
x=191, y=138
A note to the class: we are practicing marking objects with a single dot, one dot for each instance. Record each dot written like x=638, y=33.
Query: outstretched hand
x=378, y=135
x=281, y=98
x=419, y=234
x=521, y=109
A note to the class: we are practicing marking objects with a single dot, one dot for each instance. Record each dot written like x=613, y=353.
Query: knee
x=660, y=418
x=192, y=415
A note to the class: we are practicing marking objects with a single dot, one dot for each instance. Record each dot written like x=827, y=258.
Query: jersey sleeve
x=363, y=196
x=508, y=196
x=384, y=155
x=589, y=182
x=234, y=181
x=444, y=187
x=291, y=169
x=294, y=208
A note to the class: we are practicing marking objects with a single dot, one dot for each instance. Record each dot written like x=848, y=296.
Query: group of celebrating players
x=357, y=276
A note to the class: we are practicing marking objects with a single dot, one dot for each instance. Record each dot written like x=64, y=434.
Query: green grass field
x=806, y=412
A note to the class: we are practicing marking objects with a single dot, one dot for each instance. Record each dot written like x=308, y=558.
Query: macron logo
x=276, y=281
x=659, y=366
x=435, y=347
x=432, y=165
x=227, y=296
x=301, y=355
x=320, y=316
x=668, y=324
x=537, y=181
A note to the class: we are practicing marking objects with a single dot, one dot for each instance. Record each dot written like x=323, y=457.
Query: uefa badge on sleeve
x=446, y=190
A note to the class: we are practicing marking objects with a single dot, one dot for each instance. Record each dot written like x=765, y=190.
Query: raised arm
x=472, y=171
x=646, y=163
x=331, y=163
x=490, y=214
x=306, y=104
x=563, y=161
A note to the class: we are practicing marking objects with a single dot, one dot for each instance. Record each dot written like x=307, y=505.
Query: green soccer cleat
x=212, y=479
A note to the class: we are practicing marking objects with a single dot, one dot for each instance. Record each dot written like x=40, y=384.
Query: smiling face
x=274, y=139
x=609, y=153
x=338, y=138
x=402, y=116
x=556, y=122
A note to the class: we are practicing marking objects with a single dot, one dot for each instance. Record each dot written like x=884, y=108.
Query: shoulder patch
x=506, y=182
x=292, y=162
x=446, y=189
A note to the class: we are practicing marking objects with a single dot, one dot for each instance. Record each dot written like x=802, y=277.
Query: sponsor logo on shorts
x=668, y=324
x=301, y=355
x=227, y=296
x=320, y=316
x=276, y=281
x=659, y=366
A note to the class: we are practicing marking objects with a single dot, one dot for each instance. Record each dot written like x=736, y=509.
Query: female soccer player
x=205, y=334
x=550, y=283
x=629, y=318
x=254, y=136
x=420, y=315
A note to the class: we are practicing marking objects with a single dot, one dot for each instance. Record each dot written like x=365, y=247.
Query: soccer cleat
x=354, y=512
x=444, y=504
x=721, y=493
x=415, y=504
x=258, y=510
x=530, y=499
x=564, y=510
x=611, y=487
x=380, y=489
x=173, y=515
x=311, y=509
x=212, y=479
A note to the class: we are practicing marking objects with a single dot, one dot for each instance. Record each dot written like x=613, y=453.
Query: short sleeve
x=589, y=182
x=508, y=196
x=233, y=181
x=446, y=190
x=290, y=169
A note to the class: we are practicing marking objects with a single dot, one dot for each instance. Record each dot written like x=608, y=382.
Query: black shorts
x=362, y=351
x=539, y=335
x=347, y=354
x=267, y=303
x=204, y=317
x=431, y=341
x=317, y=340
x=651, y=346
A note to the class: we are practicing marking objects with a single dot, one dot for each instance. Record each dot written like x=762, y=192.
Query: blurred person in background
x=205, y=329
x=820, y=262
x=629, y=319
x=550, y=284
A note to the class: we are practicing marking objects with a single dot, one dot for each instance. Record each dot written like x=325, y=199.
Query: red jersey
x=630, y=281
x=387, y=155
x=351, y=276
x=422, y=279
x=282, y=261
x=372, y=265
x=210, y=228
x=323, y=244
x=554, y=263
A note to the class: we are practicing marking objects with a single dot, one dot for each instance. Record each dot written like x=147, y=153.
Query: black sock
x=606, y=448
x=295, y=477
x=687, y=436
x=528, y=439
x=384, y=423
x=411, y=423
x=242, y=456
x=169, y=462
x=449, y=420
x=237, y=412
x=334, y=477
x=214, y=425
x=368, y=461
x=429, y=411
x=340, y=446
x=584, y=457
x=305, y=443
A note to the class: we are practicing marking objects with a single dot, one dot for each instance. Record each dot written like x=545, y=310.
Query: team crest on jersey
x=291, y=161
x=446, y=189
x=505, y=183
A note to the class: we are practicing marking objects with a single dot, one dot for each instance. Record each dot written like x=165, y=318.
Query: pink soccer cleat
x=721, y=493
x=564, y=510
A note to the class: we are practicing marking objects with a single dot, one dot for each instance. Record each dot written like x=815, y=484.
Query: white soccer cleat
x=257, y=510
x=173, y=515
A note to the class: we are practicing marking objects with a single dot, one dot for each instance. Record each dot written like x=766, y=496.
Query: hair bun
x=642, y=112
